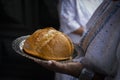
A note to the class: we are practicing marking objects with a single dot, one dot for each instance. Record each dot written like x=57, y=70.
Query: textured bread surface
x=49, y=44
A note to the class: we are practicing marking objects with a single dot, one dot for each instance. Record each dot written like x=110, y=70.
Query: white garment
x=104, y=49
x=74, y=14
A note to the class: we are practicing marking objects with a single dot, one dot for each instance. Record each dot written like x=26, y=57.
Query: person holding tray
x=101, y=46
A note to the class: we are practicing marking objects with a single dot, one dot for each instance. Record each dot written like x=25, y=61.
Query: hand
x=70, y=68
x=79, y=31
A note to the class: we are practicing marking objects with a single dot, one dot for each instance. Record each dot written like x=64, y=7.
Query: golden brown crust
x=49, y=44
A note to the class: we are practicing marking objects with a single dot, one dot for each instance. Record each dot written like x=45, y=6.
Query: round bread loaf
x=49, y=44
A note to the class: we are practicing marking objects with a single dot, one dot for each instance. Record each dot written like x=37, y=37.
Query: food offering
x=45, y=44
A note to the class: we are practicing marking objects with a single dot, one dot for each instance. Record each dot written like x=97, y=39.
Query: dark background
x=19, y=18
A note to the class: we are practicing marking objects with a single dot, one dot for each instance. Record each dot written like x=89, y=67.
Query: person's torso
x=102, y=51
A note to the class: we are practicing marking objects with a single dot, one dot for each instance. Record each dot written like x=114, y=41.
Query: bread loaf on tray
x=49, y=44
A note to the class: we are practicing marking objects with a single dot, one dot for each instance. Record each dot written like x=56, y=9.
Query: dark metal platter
x=18, y=43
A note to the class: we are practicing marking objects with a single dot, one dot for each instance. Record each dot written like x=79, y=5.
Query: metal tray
x=18, y=43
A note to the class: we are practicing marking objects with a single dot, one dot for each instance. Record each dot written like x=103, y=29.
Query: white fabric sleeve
x=68, y=11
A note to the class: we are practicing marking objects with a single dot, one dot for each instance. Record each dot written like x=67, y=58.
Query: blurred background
x=20, y=18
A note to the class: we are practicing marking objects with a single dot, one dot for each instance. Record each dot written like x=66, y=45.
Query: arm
x=70, y=68
x=68, y=18
x=79, y=31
